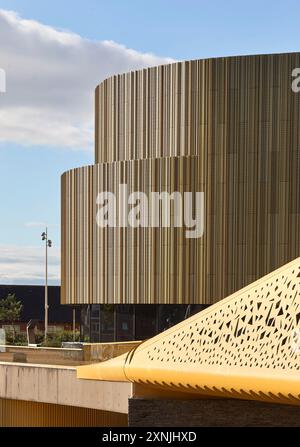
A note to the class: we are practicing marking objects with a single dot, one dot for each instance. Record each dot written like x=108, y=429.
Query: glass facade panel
x=85, y=323
x=169, y=314
x=145, y=321
x=107, y=317
x=95, y=322
x=126, y=322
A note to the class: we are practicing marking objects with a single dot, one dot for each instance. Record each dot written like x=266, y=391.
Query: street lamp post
x=48, y=243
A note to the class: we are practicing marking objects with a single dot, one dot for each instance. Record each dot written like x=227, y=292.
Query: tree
x=10, y=310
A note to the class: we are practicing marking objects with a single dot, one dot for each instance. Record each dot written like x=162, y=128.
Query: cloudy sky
x=48, y=107
x=54, y=53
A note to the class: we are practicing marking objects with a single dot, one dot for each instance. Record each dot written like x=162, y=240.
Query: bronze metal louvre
x=228, y=127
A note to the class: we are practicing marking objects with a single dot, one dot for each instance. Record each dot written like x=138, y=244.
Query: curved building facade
x=225, y=127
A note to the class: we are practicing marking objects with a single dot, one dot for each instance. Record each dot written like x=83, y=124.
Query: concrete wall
x=99, y=352
x=59, y=385
x=53, y=356
x=89, y=353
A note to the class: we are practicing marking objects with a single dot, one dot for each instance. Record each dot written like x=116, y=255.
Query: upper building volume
x=227, y=127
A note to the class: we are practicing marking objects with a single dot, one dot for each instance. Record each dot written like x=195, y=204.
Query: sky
x=54, y=54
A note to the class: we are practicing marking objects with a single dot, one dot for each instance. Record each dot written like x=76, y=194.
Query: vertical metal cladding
x=136, y=265
x=20, y=413
x=227, y=127
x=233, y=105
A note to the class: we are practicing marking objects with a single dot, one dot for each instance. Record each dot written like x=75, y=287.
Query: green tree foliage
x=10, y=310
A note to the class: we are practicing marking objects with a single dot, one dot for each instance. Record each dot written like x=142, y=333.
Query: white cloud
x=26, y=265
x=50, y=80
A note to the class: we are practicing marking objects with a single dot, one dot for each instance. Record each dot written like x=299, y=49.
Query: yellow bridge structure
x=246, y=346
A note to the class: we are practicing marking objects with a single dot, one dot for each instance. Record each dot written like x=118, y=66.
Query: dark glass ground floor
x=120, y=322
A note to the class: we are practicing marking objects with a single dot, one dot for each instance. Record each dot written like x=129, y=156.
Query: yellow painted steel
x=247, y=346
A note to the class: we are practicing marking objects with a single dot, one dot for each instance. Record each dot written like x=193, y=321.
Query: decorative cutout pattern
x=247, y=346
x=257, y=329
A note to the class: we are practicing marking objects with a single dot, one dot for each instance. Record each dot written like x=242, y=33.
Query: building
x=227, y=127
x=233, y=364
x=242, y=351
x=32, y=298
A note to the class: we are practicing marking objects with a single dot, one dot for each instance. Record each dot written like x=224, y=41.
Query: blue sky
x=55, y=52
x=182, y=29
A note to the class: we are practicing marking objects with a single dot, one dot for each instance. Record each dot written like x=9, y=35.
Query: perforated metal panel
x=245, y=346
